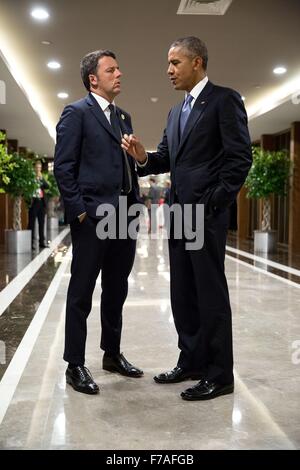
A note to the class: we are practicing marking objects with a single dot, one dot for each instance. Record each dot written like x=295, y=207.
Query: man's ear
x=93, y=80
x=198, y=62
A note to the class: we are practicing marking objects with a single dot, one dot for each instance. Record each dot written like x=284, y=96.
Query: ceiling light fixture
x=40, y=14
x=22, y=76
x=280, y=70
x=62, y=95
x=53, y=65
x=46, y=43
x=275, y=98
x=154, y=99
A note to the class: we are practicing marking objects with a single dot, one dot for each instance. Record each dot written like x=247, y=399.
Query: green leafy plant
x=52, y=193
x=52, y=190
x=268, y=175
x=22, y=184
x=6, y=164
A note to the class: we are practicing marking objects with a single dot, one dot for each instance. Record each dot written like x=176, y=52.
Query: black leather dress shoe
x=81, y=380
x=43, y=245
x=176, y=375
x=206, y=390
x=119, y=363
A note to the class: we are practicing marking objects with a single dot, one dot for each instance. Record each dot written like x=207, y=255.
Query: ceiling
x=244, y=46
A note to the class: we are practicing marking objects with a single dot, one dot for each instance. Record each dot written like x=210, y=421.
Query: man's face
x=106, y=82
x=38, y=168
x=183, y=71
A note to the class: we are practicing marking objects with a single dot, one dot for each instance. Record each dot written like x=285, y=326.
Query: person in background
x=37, y=208
x=153, y=196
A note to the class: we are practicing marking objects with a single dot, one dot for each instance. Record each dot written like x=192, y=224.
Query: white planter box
x=52, y=223
x=265, y=242
x=18, y=241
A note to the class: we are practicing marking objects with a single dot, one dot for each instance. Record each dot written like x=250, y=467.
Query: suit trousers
x=200, y=302
x=37, y=211
x=114, y=258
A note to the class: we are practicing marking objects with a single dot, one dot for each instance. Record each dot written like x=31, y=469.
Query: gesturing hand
x=133, y=146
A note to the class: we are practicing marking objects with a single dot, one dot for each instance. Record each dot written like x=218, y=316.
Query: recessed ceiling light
x=62, y=95
x=154, y=99
x=54, y=65
x=46, y=43
x=279, y=70
x=39, y=14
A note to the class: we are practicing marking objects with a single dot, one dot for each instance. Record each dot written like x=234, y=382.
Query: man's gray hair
x=194, y=46
x=89, y=64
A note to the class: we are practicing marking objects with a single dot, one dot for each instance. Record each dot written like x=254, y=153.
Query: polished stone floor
x=282, y=257
x=263, y=413
x=11, y=265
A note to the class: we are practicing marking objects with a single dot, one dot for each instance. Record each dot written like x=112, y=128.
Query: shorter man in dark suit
x=207, y=148
x=38, y=207
x=92, y=170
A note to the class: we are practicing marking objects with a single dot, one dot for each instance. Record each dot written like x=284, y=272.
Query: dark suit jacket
x=88, y=158
x=211, y=161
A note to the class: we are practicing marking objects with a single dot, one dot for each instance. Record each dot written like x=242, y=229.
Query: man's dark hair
x=89, y=65
x=194, y=47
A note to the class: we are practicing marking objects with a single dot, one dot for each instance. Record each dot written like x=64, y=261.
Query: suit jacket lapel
x=100, y=116
x=174, y=129
x=125, y=130
x=196, y=113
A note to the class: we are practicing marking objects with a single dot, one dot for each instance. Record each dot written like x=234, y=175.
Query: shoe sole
x=207, y=397
x=191, y=377
x=115, y=370
x=78, y=389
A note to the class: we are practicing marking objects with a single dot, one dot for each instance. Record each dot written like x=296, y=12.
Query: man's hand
x=81, y=217
x=133, y=146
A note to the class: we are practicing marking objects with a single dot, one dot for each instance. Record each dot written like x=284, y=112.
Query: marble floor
x=38, y=411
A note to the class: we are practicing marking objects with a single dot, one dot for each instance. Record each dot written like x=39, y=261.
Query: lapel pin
x=123, y=117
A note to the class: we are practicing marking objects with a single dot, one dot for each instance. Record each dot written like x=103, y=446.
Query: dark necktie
x=127, y=177
x=185, y=112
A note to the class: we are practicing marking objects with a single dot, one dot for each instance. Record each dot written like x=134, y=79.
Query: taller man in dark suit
x=92, y=169
x=206, y=146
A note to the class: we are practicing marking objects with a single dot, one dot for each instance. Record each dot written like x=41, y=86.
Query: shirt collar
x=103, y=103
x=195, y=92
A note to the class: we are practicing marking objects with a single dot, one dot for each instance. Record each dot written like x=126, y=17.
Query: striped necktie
x=185, y=112
x=127, y=177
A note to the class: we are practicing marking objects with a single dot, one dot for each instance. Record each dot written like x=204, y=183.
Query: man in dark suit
x=91, y=170
x=206, y=146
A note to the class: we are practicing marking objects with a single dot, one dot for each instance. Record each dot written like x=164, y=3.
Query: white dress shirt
x=103, y=103
x=195, y=92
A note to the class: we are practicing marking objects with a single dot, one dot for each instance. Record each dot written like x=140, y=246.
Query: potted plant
x=52, y=193
x=21, y=184
x=6, y=164
x=268, y=175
